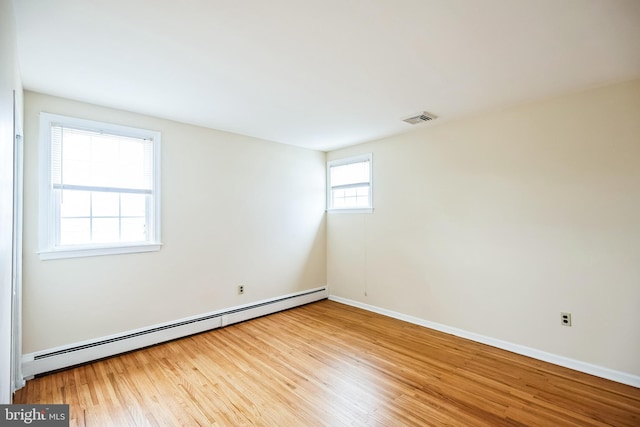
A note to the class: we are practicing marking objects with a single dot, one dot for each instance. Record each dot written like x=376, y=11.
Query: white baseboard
x=86, y=351
x=576, y=365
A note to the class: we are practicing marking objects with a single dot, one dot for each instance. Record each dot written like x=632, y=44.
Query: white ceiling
x=322, y=74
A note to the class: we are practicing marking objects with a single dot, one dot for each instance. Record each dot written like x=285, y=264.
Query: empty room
x=329, y=213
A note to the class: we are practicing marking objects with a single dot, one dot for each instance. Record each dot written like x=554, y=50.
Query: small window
x=349, y=184
x=100, y=188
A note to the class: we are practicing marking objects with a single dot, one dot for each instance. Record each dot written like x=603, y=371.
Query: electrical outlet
x=565, y=319
x=240, y=289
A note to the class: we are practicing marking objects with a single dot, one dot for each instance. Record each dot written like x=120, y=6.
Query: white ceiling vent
x=420, y=118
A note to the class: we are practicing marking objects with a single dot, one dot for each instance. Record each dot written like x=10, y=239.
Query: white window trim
x=345, y=161
x=47, y=227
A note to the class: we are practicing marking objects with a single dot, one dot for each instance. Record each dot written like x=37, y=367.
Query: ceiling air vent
x=420, y=118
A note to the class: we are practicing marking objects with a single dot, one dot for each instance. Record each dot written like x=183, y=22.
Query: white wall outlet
x=565, y=319
x=240, y=289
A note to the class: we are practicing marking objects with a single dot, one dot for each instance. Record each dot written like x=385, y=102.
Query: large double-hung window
x=99, y=188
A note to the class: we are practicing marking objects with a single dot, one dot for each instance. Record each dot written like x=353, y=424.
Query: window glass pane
x=74, y=231
x=104, y=161
x=75, y=203
x=102, y=175
x=105, y=204
x=76, y=157
x=76, y=146
x=357, y=197
x=133, y=230
x=352, y=173
x=132, y=164
x=91, y=158
x=105, y=230
x=133, y=204
x=105, y=151
x=76, y=172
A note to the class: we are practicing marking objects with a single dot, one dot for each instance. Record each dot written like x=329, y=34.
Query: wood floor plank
x=328, y=364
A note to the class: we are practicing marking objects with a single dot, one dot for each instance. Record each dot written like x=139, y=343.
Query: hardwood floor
x=330, y=364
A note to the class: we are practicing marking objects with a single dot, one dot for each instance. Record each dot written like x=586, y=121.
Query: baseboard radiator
x=87, y=351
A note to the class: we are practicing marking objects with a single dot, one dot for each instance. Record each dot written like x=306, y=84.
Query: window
x=349, y=184
x=99, y=188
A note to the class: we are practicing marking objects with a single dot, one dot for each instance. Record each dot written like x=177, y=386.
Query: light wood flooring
x=328, y=364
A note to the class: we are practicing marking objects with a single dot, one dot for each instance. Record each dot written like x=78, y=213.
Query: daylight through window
x=349, y=184
x=103, y=187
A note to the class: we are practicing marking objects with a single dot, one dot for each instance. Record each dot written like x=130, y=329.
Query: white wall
x=497, y=223
x=234, y=210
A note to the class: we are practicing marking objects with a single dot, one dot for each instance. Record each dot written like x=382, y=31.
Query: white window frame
x=345, y=161
x=48, y=221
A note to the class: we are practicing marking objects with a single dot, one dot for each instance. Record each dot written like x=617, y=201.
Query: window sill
x=78, y=252
x=352, y=210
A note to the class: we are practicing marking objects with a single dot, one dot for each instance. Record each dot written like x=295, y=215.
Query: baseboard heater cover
x=87, y=351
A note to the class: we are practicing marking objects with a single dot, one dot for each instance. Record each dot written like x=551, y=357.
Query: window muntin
x=100, y=188
x=349, y=184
